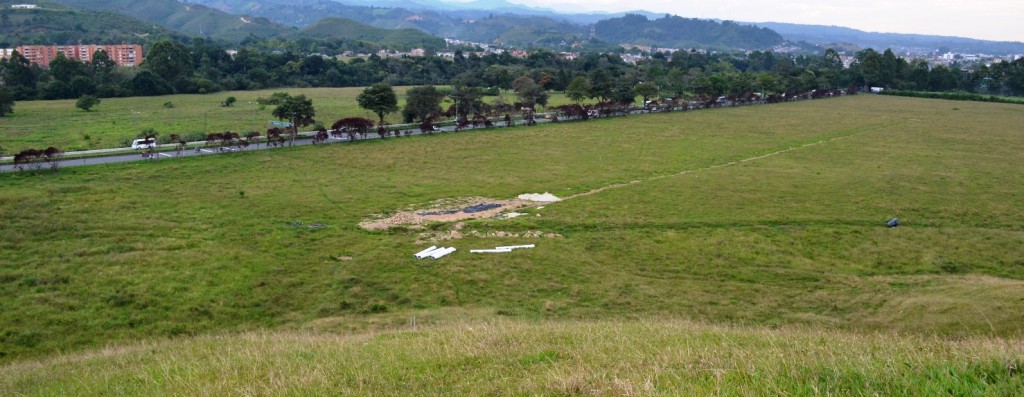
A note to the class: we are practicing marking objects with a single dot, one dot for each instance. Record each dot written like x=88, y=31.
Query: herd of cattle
x=37, y=158
x=486, y=116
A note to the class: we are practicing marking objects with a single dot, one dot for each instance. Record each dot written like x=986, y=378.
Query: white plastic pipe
x=512, y=247
x=488, y=251
x=425, y=253
x=437, y=254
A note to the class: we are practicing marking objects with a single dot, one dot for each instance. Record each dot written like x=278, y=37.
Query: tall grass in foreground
x=661, y=357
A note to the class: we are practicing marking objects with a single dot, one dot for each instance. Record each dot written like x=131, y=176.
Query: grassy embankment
x=101, y=255
x=40, y=124
x=537, y=358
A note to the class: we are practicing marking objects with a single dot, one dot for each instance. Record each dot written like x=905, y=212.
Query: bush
x=86, y=102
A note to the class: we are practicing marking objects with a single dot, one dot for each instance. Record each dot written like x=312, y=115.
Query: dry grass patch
x=504, y=357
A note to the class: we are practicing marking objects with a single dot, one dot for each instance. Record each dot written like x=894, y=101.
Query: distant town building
x=24, y=6
x=42, y=55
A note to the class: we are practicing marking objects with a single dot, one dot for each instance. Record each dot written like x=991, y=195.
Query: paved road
x=196, y=149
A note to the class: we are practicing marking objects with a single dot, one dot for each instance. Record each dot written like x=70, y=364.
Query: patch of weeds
x=36, y=281
x=505, y=312
x=120, y=298
x=26, y=339
x=544, y=357
x=950, y=266
x=201, y=311
x=176, y=330
x=376, y=308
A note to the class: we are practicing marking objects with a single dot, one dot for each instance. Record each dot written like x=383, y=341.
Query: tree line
x=201, y=66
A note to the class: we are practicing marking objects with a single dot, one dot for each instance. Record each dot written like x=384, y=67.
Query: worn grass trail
x=726, y=164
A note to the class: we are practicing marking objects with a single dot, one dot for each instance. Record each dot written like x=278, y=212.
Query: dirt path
x=448, y=211
x=716, y=166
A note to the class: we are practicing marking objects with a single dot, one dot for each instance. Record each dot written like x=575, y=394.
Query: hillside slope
x=347, y=29
x=191, y=19
x=825, y=35
x=759, y=215
x=677, y=32
x=54, y=24
x=507, y=357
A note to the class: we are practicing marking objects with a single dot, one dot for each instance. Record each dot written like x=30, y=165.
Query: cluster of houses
x=951, y=58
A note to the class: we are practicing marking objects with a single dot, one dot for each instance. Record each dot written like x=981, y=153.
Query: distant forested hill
x=52, y=24
x=347, y=29
x=678, y=32
x=825, y=35
x=191, y=19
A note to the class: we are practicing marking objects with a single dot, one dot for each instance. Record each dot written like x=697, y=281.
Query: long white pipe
x=488, y=251
x=512, y=247
x=437, y=254
x=425, y=253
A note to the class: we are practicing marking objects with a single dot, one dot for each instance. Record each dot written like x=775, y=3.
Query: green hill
x=347, y=29
x=521, y=31
x=56, y=24
x=191, y=19
x=678, y=32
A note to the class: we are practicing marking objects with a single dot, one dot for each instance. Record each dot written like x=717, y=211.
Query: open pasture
x=113, y=123
x=757, y=216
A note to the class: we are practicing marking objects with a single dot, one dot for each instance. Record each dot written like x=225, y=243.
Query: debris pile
x=480, y=208
x=539, y=198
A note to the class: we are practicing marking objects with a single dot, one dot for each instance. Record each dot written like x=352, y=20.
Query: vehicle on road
x=144, y=144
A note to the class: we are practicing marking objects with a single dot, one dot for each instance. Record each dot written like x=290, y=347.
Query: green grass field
x=755, y=217
x=116, y=121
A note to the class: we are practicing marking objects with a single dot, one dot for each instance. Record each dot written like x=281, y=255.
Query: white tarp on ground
x=541, y=198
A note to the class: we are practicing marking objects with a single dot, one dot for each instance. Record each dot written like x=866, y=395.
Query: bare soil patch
x=447, y=211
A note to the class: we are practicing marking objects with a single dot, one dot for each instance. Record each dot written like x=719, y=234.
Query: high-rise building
x=42, y=55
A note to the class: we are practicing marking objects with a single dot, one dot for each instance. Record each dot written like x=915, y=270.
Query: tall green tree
x=467, y=100
x=65, y=69
x=297, y=110
x=6, y=101
x=646, y=90
x=169, y=60
x=578, y=89
x=19, y=75
x=831, y=60
x=529, y=92
x=380, y=99
x=102, y=67
x=421, y=102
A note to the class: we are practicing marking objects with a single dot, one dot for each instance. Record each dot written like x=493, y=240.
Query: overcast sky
x=1001, y=20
